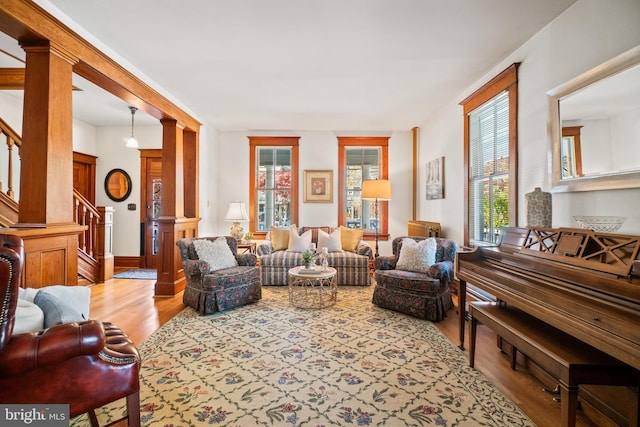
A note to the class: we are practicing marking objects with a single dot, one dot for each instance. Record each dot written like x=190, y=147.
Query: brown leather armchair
x=85, y=365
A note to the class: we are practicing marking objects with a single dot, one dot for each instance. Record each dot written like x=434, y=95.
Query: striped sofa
x=352, y=268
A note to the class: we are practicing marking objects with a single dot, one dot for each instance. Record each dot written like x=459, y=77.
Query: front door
x=151, y=200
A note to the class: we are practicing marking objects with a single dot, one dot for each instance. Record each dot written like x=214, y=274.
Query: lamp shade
x=131, y=142
x=236, y=212
x=373, y=189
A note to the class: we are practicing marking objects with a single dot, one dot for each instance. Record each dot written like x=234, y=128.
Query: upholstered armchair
x=218, y=277
x=418, y=289
x=85, y=365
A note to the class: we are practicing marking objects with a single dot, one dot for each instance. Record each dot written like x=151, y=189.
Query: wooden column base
x=171, y=278
x=50, y=254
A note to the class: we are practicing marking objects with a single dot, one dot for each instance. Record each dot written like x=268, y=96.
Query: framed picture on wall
x=318, y=186
x=435, y=179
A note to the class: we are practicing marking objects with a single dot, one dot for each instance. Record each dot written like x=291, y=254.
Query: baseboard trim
x=128, y=261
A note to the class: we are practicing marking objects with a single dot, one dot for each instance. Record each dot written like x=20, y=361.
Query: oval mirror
x=117, y=185
x=593, y=127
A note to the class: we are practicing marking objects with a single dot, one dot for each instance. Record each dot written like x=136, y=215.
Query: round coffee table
x=312, y=289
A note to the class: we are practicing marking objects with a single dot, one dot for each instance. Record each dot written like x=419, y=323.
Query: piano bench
x=571, y=361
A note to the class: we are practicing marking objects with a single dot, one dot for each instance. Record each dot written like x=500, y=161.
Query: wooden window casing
x=507, y=80
x=271, y=141
x=378, y=142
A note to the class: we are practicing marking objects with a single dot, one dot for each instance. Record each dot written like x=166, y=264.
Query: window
x=571, y=152
x=491, y=158
x=361, y=158
x=273, y=183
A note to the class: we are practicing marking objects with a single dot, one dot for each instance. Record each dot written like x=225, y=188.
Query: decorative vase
x=309, y=265
x=538, y=205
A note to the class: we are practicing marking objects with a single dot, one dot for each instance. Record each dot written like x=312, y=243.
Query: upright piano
x=582, y=282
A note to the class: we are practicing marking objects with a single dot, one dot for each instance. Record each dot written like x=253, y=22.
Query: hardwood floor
x=131, y=305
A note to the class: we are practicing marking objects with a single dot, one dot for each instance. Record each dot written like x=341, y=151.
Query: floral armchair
x=215, y=284
x=424, y=292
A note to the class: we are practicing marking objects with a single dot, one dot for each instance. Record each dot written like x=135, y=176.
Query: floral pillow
x=417, y=256
x=216, y=253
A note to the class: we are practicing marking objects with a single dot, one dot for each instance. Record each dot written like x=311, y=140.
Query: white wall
x=112, y=154
x=585, y=35
x=209, y=179
x=318, y=150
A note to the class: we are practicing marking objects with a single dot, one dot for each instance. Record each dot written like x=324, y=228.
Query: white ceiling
x=300, y=64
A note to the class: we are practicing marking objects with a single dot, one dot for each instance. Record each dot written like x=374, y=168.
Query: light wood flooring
x=131, y=305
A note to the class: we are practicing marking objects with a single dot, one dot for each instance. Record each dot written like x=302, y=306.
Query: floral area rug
x=271, y=364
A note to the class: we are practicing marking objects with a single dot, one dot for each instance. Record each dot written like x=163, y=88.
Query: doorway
x=84, y=175
x=151, y=201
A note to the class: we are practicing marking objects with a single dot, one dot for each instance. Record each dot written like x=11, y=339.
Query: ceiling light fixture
x=132, y=142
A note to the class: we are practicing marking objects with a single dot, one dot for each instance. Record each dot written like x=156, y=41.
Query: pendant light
x=132, y=142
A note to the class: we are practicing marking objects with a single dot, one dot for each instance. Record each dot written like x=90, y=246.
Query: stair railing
x=12, y=140
x=86, y=214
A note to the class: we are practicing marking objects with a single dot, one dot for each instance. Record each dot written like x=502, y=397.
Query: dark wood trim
x=574, y=131
x=273, y=141
x=85, y=165
x=363, y=141
x=128, y=261
x=13, y=78
x=414, y=139
x=506, y=80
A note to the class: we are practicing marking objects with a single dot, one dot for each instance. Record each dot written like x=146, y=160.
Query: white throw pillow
x=299, y=243
x=332, y=241
x=29, y=317
x=216, y=253
x=417, y=256
x=63, y=304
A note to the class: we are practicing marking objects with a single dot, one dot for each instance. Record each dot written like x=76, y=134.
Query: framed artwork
x=318, y=186
x=435, y=179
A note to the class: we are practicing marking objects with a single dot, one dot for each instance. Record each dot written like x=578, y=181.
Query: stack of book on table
x=314, y=270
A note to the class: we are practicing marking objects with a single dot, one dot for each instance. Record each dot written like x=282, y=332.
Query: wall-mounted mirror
x=594, y=126
x=117, y=185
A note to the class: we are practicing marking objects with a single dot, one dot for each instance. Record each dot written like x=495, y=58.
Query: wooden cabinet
x=424, y=229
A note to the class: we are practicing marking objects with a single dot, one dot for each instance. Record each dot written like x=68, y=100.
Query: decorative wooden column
x=173, y=225
x=191, y=174
x=45, y=219
x=46, y=180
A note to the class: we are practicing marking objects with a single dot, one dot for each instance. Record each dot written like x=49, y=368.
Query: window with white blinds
x=489, y=169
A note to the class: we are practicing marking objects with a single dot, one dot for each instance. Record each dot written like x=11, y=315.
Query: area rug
x=272, y=364
x=140, y=273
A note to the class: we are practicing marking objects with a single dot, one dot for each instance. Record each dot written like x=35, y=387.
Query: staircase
x=85, y=213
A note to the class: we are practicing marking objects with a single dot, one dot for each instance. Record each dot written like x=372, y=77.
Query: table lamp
x=376, y=189
x=236, y=213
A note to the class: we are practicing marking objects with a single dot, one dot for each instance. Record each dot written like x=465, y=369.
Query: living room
x=586, y=34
